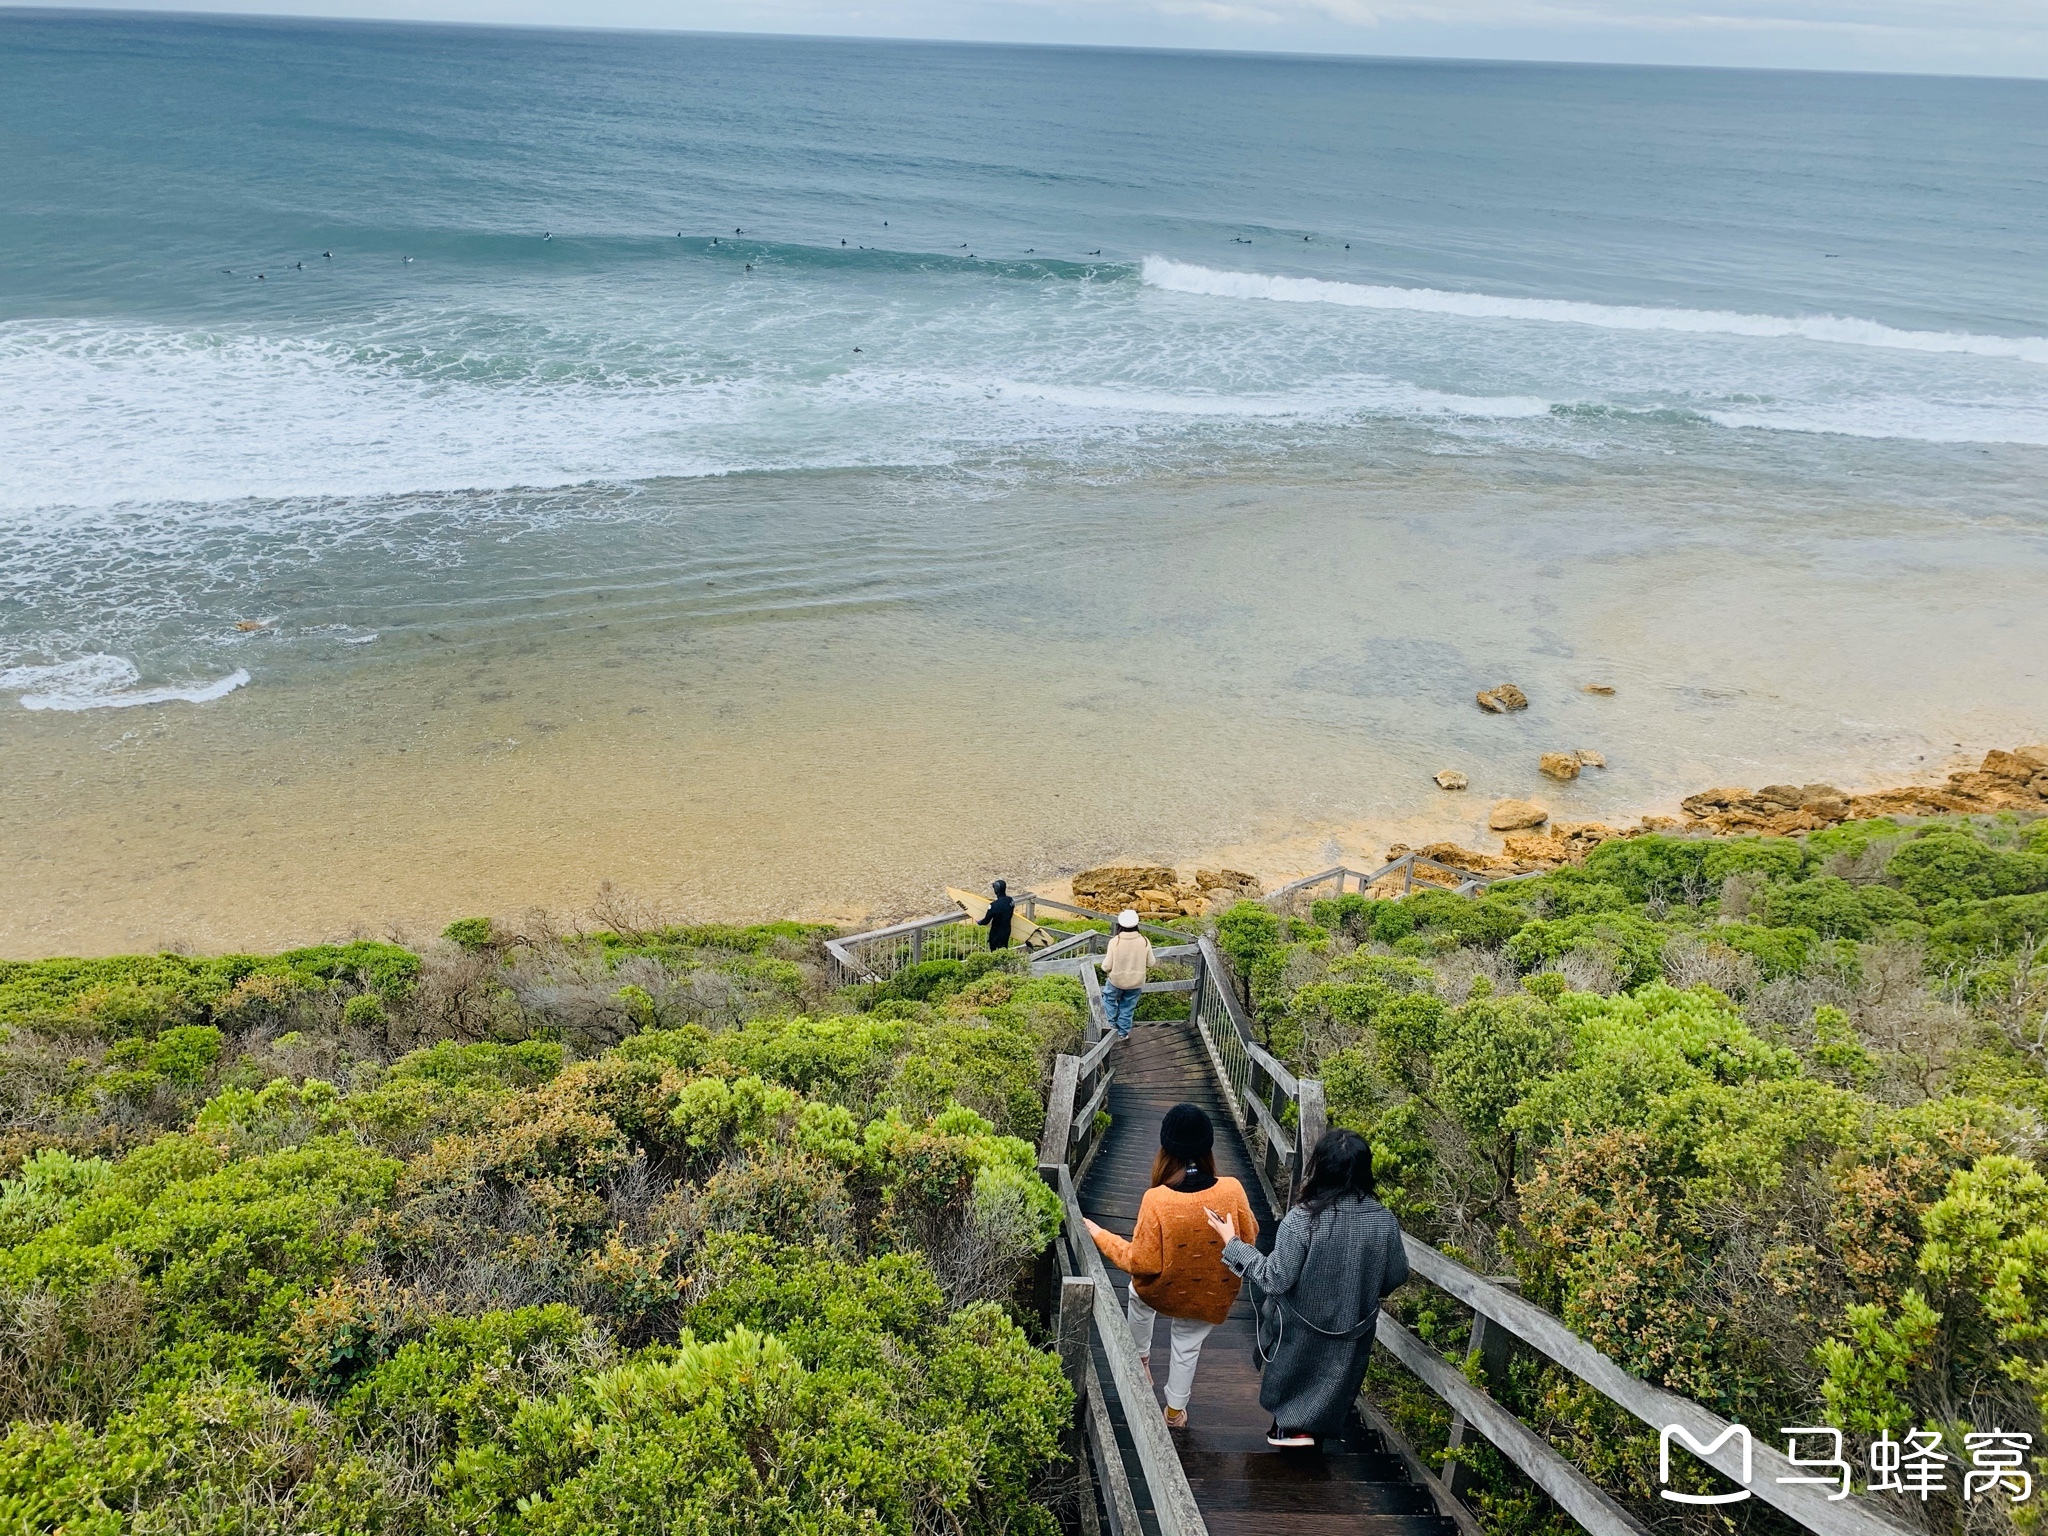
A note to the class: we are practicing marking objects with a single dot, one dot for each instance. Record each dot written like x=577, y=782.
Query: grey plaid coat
x=1319, y=1296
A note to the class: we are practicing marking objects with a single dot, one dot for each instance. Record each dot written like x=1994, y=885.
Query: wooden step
x=1305, y=1498
x=1271, y=1466
x=1278, y=1523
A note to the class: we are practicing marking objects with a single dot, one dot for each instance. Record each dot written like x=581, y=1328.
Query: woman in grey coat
x=1336, y=1254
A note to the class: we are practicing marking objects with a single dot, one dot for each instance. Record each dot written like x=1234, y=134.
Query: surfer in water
x=997, y=917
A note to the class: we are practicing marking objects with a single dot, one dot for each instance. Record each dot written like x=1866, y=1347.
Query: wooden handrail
x=1470, y=879
x=1576, y=1494
x=1173, y=1502
x=1654, y=1406
x=1102, y=917
x=1267, y=1062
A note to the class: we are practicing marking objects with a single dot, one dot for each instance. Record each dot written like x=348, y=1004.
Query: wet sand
x=1257, y=672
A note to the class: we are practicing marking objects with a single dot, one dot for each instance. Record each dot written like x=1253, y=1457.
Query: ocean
x=443, y=468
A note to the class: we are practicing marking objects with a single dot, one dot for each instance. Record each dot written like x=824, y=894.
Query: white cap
x=1128, y=918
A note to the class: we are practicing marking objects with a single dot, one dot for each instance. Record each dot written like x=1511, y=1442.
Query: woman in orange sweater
x=1175, y=1262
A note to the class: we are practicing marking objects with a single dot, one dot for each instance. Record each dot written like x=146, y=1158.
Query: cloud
x=1644, y=15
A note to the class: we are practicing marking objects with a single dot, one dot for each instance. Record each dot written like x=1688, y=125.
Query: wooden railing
x=1465, y=882
x=1502, y=1320
x=1088, y=1311
x=1080, y=1087
x=1279, y=1115
x=880, y=953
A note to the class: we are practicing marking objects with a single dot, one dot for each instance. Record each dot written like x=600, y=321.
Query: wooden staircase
x=1241, y=1484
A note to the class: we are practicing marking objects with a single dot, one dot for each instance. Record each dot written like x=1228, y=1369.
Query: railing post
x=1098, y=1012
x=1312, y=1119
x=1493, y=1343
x=1054, y=1141
x=1077, y=1312
x=916, y=946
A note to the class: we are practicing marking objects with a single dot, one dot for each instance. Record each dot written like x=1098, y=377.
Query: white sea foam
x=1348, y=395
x=1842, y=330
x=104, y=682
x=243, y=431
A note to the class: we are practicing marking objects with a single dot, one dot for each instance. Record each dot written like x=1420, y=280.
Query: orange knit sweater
x=1174, y=1260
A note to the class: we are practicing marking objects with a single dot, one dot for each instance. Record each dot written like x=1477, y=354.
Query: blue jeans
x=1121, y=1004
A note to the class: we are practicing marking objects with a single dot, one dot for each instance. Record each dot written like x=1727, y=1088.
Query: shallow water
x=600, y=557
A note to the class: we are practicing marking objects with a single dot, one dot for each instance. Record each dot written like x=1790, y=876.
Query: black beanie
x=1186, y=1132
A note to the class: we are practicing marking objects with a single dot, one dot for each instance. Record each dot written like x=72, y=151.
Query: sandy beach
x=1267, y=679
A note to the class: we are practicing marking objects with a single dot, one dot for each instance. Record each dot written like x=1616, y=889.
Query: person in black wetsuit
x=998, y=917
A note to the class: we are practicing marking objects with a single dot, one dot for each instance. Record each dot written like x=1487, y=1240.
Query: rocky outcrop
x=2015, y=780
x=1589, y=759
x=1227, y=884
x=1605, y=690
x=1562, y=766
x=1535, y=850
x=1450, y=778
x=1499, y=701
x=1113, y=887
x=1516, y=815
x=1159, y=892
x=1565, y=842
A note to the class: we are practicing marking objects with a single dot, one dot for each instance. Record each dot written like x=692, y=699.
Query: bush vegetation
x=630, y=1230
x=645, y=1228
x=1759, y=1117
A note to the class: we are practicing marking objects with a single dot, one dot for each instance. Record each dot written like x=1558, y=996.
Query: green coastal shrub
x=390, y=1243
x=1834, y=909
x=145, y=994
x=1633, y=944
x=1785, y=1160
x=470, y=933
x=1943, y=867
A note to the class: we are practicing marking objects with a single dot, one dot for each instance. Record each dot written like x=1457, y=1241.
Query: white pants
x=1187, y=1335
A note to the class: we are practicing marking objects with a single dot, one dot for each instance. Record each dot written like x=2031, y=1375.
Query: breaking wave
x=1839, y=330
x=104, y=682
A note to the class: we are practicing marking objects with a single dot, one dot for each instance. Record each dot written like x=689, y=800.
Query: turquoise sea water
x=1053, y=263
x=397, y=339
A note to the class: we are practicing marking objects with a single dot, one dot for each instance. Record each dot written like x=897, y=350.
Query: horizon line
x=1332, y=56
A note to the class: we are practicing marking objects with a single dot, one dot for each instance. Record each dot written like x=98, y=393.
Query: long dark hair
x=1169, y=1169
x=1339, y=1166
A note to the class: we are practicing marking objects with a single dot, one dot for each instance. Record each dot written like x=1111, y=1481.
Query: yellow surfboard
x=1022, y=930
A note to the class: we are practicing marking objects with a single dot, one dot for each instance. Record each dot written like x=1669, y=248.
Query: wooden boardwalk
x=1355, y=1487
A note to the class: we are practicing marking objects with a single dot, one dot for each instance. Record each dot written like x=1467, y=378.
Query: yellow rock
x=1516, y=815
x=1563, y=766
x=1498, y=701
x=2017, y=766
x=1450, y=778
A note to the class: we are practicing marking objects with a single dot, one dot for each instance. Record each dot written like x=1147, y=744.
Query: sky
x=1971, y=37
